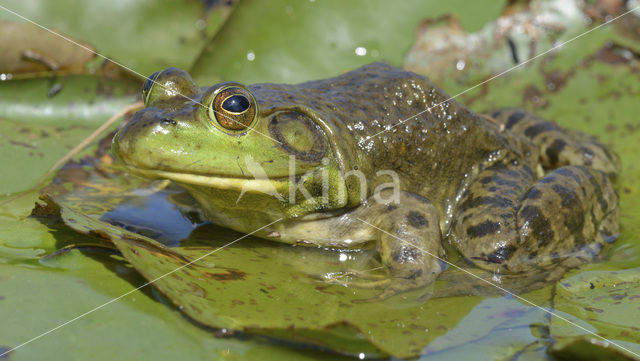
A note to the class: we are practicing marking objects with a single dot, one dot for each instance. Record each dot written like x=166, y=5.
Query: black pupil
x=149, y=82
x=236, y=104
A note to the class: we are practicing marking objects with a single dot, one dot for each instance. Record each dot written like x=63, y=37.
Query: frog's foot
x=409, y=244
x=389, y=286
x=346, y=277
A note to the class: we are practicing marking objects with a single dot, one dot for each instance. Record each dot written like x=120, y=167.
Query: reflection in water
x=154, y=216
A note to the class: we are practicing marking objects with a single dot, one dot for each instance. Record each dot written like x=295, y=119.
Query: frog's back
x=387, y=118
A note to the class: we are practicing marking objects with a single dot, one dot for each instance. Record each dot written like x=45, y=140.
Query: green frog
x=381, y=155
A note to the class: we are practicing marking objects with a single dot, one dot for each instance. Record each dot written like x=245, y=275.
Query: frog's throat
x=239, y=184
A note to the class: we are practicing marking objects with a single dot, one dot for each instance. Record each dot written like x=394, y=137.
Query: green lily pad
x=70, y=284
x=607, y=300
x=590, y=84
x=29, y=50
x=318, y=39
x=145, y=35
x=241, y=287
x=588, y=349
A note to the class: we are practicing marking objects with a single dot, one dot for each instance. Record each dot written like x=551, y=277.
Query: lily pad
x=144, y=35
x=588, y=349
x=608, y=300
x=29, y=50
x=318, y=39
x=241, y=287
x=75, y=283
x=590, y=84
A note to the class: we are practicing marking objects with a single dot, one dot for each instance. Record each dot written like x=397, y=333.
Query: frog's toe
x=362, y=274
x=390, y=287
x=355, y=278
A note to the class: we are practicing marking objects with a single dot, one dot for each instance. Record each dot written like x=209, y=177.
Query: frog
x=379, y=156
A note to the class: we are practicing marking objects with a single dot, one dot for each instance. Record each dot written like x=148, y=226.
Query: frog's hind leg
x=568, y=215
x=558, y=146
x=484, y=228
x=504, y=225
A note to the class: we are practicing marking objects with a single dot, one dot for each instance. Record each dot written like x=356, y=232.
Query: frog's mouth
x=217, y=182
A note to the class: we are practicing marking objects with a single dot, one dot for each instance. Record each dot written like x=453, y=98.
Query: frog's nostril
x=168, y=121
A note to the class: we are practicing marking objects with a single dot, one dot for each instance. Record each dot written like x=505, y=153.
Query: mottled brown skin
x=512, y=192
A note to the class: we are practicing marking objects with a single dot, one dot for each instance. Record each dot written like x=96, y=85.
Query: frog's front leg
x=408, y=241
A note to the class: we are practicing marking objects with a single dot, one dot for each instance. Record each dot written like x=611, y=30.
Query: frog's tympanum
x=379, y=155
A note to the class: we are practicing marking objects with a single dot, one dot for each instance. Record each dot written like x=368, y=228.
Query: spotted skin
x=407, y=246
x=512, y=191
x=558, y=146
x=485, y=225
x=409, y=240
x=512, y=221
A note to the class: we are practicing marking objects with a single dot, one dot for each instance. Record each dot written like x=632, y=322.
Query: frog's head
x=228, y=140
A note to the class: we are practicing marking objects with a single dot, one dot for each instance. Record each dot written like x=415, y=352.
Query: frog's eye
x=233, y=108
x=148, y=84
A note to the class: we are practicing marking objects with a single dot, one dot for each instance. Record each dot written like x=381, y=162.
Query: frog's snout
x=123, y=145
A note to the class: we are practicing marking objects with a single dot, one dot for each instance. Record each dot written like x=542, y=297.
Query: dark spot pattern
x=415, y=274
x=553, y=151
x=486, y=180
x=483, y=229
x=533, y=193
x=506, y=182
x=419, y=197
x=568, y=197
x=416, y=220
x=567, y=172
x=538, y=224
x=501, y=254
x=514, y=119
x=597, y=189
x=496, y=201
x=574, y=220
x=548, y=179
x=534, y=130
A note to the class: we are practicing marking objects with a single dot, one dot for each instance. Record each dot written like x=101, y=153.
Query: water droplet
x=361, y=51
x=200, y=24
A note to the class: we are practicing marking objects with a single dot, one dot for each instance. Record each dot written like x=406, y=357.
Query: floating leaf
x=29, y=50
x=266, y=288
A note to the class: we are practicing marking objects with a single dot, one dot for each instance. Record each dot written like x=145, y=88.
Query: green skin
x=512, y=192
